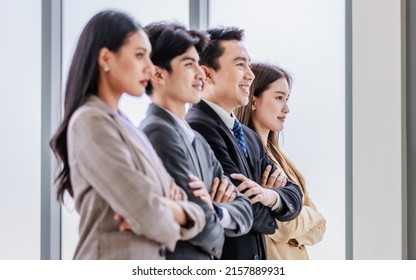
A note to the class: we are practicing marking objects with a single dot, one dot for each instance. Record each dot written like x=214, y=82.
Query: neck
x=262, y=132
x=218, y=101
x=106, y=94
x=175, y=107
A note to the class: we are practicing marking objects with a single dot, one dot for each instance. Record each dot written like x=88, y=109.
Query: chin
x=244, y=102
x=195, y=101
x=136, y=93
x=279, y=129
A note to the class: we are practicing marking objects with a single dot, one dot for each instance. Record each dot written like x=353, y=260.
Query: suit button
x=162, y=252
x=272, y=223
x=256, y=257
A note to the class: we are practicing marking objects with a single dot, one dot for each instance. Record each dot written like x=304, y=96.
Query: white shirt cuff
x=226, y=220
x=278, y=203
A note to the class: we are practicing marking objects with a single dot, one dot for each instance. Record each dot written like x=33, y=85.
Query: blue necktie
x=239, y=134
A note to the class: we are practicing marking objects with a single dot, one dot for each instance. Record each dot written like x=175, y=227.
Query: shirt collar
x=225, y=117
x=190, y=135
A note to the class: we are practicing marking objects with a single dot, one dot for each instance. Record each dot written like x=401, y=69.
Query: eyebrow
x=189, y=58
x=142, y=48
x=241, y=58
x=282, y=92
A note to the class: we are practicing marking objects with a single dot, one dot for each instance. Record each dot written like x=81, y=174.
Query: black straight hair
x=170, y=40
x=211, y=54
x=108, y=29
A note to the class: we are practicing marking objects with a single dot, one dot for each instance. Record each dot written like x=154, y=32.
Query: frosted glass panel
x=20, y=126
x=76, y=13
x=308, y=39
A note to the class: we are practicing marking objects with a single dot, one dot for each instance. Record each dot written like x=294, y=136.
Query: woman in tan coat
x=107, y=165
x=266, y=113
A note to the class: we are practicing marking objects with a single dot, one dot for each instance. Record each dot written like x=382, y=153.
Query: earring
x=106, y=68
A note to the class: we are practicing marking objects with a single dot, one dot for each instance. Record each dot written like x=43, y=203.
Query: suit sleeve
x=102, y=157
x=292, y=202
x=308, y=228
x=240, y=209
x=170, y=148
x=291, y=194
x=263, y=220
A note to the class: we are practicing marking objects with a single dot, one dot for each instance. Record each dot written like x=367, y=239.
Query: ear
x=157, y=76
x=104, y=58
x=209, y=73
x=254, y=103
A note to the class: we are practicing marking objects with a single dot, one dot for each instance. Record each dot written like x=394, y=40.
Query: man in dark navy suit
x=226, y=64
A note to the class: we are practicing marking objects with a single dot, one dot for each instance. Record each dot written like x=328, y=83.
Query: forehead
x=234, y=49
x=138, y=39
x=279, y=86
x=191, y=53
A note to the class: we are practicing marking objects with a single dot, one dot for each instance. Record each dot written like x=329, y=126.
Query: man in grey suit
x=176, y=81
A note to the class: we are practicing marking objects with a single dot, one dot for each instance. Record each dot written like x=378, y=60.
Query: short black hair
x=209, y=57
x=170, y=40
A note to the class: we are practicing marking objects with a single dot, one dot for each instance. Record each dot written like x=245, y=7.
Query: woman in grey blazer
x=108, y=166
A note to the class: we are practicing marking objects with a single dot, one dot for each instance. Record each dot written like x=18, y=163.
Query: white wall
x=308, y=39
x=20, y=127
x=378, y=130
x=76, y=13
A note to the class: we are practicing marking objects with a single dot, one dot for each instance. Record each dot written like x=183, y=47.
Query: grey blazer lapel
x=203, y=161
x=126, y=133
x=162, y=114
x=192, y=152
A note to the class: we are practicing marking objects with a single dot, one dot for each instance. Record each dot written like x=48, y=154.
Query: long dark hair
x=265, y=75
x=108, y=29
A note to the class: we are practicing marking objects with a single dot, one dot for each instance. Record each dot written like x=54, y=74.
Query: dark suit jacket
x=206, y=121
x=181, y=158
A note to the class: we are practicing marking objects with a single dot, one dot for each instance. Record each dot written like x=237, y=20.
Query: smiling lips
x=246, y=88
x=198, y=85
x=282, y=119
x=144, y=82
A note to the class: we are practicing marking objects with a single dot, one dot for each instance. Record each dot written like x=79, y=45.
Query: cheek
x=230, y=79
x=130, y=67
x=262, y=114
x=267, y=110
x=274, y=107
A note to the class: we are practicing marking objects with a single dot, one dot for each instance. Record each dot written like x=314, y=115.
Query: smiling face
x=231, y=82
x=183, y=84
x=129, y=67
x=271, y=107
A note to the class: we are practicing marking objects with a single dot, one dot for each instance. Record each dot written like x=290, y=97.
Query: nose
x=148, y=68
x=249, y=75
x=286, y=109
x=200, y=74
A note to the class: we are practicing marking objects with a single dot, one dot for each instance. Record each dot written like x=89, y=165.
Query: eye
x=279, y=97
x=189, y=65
x=140, y=55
